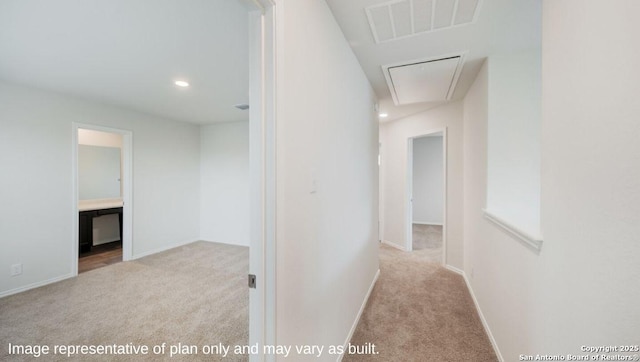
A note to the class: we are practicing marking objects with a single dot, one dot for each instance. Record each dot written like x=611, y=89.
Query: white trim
x=454, y=82
x=127, y=196
x=456, y=75
x=75, y=197
x=533, y=242
x=357, y=320
x=256, y=164
x=477, y=12
x=35, y=285
x=393, y=245
x=485, y=325
x=408, y=196
x=445, y=190
x=428, y=223
x=223, y=243
x=454, y=269
x=262, y=248
x=164, y=248
x=487, y=330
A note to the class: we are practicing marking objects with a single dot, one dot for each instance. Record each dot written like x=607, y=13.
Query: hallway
x=419, y=311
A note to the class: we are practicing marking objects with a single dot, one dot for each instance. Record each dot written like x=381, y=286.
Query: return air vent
x=427, y=80
x=404, y=18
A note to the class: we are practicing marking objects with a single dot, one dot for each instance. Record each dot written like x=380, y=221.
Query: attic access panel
x=432, y=80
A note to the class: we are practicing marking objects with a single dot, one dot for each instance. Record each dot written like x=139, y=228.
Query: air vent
x=404, y=18
x=426, y=80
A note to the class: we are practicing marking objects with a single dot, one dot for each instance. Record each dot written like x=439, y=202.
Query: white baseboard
x=393, y=245
x=456, y=270
x=355, y=323
x=67, y=276
x=224, y=243
x=484, y=321
x=34, y=285
x=428, y=223
x=163, y=248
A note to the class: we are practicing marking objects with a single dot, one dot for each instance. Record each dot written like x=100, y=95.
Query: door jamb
x=262, y=312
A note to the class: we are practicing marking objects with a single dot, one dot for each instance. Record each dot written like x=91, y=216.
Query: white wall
x=582, y=288
x=327, y=249
x=590, y=173
x=499, y=268
x=224, y=180
x=514, y=139
x=36, y=145
x=394, y=136
x=428, y=181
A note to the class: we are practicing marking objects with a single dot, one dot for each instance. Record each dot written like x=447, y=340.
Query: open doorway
x=261, y=129
x=102, y=202
x=426, y=178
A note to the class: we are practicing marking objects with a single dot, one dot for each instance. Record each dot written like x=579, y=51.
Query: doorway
x=426, y=195
x=262, y=176
x=102, y=205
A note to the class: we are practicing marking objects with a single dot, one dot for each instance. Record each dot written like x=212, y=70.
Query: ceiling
x=499, y=26
x=129, y=53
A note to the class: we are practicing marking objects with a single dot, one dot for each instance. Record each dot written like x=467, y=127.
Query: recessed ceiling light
x=383, y=115
x=181, y=83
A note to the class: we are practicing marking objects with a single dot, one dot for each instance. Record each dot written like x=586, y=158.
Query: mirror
x=98, y=172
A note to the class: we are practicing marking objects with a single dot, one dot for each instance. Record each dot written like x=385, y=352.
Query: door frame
x=262, y=129
x=409, y=191
x=127, y=190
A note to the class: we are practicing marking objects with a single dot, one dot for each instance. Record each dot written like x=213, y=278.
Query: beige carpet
x=419, y=311
x=194, y=295
x=428, y=240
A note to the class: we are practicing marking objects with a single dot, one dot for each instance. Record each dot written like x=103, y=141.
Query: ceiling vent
x=426, y=80
x=404, y=18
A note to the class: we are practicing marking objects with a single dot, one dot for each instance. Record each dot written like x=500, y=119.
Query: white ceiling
x=129, y=53
x=501, y=26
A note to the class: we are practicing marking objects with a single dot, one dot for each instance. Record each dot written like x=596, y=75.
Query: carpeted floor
x=197, y=295
x=419, y=311
x=428, y=240
x=194, y=295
